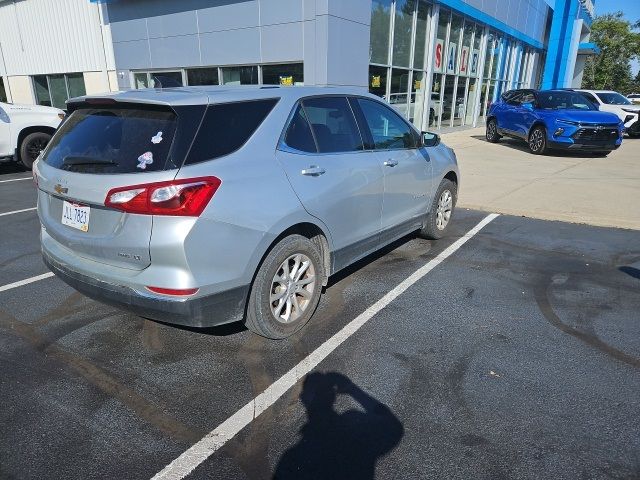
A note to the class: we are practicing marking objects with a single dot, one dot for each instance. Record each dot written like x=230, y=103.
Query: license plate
x=75, y=215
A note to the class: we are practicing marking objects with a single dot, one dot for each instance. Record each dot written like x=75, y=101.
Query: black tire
x=260, y=318
x=31, y=147
x=538, y=141
x=432, y=228
x=492, y=134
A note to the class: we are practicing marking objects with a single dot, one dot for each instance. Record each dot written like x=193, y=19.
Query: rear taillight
x=185, y=197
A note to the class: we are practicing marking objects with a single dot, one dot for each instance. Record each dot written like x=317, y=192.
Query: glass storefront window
x=497, y=54
x=470, y=103
x=3, y=93
x=422, y=17
x=55, y=90
x=75, y=81
x=453, y=49
x=165, y=79
x=140, y=80
x=402, y=33
x=417, y=100
x=380, y=29
x=287, y=74
x=240, y=75
x=465, y=51
x=202, y=76
x=399, y=90
x=439, y=52
x=459, y=101
x=447, y=100
x=474, y=61
x=378, y=80
x=436, y=107
x=488, y=58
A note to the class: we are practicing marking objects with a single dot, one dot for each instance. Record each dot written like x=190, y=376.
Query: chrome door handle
x=390, y=163
x=313, y=171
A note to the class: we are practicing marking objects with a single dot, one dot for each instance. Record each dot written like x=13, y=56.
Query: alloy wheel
x=292, y=288
x=443, y=212
x=536, y=140
x=35, y=147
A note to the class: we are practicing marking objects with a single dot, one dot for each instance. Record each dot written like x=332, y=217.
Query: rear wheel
x=492, y=131
x=31, y=147
x=538, y=141
x=286, y=290
x=441, y=211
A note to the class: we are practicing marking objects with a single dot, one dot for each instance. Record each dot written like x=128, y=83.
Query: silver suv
x=203, y=206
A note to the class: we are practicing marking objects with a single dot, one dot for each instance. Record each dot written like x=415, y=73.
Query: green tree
x=619, y=43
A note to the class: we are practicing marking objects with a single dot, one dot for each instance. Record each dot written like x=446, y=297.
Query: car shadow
x=344, y=444
x=522, y=146
x=631, y=271
x=11, y=167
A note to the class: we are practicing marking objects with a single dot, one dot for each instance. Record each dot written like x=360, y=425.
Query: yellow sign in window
x=288, y=81
x=417, y=84
x=375, y=81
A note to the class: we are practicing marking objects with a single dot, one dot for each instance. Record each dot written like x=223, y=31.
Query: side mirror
x=528, y=106
x=430, y=139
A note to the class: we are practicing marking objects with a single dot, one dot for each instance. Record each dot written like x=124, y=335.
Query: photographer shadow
x=336, y=445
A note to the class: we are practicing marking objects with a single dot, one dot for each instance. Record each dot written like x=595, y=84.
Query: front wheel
x=31, y=147
x=492, y=131
x=538, y=141
x=286, y=290
x=441, y=211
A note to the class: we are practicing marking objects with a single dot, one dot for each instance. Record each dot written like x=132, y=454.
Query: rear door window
x=299, y=135
x=226, y=127
x=118, y=139
x=333, y=124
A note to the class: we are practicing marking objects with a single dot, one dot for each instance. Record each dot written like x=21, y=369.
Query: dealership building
x=439, y=62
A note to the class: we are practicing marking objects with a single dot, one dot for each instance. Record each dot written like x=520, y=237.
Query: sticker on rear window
x=145, y=159
x=157, y=138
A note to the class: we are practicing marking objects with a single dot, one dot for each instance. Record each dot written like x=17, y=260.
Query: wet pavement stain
x=541, y=295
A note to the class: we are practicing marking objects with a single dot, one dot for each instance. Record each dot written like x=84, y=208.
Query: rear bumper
x=207, y=311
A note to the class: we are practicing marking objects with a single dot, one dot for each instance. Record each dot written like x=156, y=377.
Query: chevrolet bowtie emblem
x=60, y=189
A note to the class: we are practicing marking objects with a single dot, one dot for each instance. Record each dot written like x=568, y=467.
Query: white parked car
x=609, y=101
x=25, y=130
x=634, y=97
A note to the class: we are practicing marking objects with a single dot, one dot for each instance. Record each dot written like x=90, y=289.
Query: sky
x=631, y=10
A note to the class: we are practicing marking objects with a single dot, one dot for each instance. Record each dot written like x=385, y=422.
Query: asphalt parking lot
x=518, y=356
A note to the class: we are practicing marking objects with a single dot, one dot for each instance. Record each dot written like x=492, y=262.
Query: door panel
x=407, y=169
x=344, y=188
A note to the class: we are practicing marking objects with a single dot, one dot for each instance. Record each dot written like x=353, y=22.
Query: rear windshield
x=113, y=140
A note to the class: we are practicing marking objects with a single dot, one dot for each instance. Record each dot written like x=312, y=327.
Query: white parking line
x=26, y=281
x=204, y=448
x=18, y=211
x=16, y=179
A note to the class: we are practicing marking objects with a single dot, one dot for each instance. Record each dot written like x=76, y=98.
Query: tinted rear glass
x=226, y=127
x=113, y=140
x=299, y=134
x=333, y=124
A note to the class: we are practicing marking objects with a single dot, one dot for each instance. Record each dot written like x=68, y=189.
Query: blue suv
x=553, y=119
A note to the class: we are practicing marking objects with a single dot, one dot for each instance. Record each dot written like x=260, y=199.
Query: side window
x=226, y=127
x=591, y=98
x=388, y=130
x=515, y=98
x=333, y=125
x=299, y=134
x=528, y=98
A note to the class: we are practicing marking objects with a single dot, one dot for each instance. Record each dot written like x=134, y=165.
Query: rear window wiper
x=79, y=160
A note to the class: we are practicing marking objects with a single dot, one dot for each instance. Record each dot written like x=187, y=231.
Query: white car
x=25, y=130
x=634, y=97
x=609, y=101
